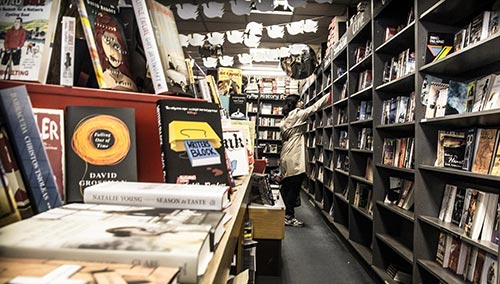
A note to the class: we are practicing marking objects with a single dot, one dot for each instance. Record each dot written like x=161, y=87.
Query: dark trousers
x=290, y=192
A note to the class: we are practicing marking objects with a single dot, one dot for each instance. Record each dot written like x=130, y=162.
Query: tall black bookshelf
x=266, y=109
x=386, y=235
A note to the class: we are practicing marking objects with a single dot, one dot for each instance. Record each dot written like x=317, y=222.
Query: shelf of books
x=457, y=212
x=266, y=109
x=427, y=153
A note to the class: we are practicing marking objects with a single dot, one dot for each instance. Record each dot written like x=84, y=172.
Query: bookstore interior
x=140, y=140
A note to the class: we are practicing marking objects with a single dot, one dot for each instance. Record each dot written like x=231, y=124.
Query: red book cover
x=51, y=126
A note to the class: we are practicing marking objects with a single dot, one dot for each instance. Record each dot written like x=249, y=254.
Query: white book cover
x=451, y=203
x=445, y=201
x=489, y=218
x=441, y=102
x=479, y=214
x=490, y=268
x=462, y=259
x=492, y=100
x=67, y=51
x=236, y=151
x=161, y=195
x=131, y=235
x=471, y=265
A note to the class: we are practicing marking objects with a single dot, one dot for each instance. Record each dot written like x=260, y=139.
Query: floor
x=315, y=254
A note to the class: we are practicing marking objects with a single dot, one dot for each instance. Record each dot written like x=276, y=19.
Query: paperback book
x=100, y=146
x=181, y=121
x=129, y=235
x=28, y=148
x=236, y=150
x=27, y=29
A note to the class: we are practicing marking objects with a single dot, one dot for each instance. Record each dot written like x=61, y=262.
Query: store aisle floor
x=314, y=254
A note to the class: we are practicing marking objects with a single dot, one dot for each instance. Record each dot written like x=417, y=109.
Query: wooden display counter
x=268, y=231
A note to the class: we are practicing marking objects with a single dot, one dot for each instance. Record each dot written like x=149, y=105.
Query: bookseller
x=293, y=158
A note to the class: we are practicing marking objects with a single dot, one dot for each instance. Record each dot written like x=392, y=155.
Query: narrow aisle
x=314, y=254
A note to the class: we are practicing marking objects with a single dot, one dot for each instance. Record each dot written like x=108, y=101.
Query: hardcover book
x=471, y=92
x=129, y=235
x=17, y=269
x=51, y=126
x=496, y=226
x=179, y=121
x=13, y=175
x=162, y=46
x=433, y=102
x=489, y=272
x=454, y=150
x=238, y=107
x=470, y=146
x=27, y=29
x=107, y=44
x=100, y=146
x=161, y=195
x=426, y=87
x=28, y=148
x=495, y=163
x=485, y=147
x=458, y=206
x=479, y=27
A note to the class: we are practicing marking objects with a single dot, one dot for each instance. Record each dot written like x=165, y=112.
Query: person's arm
x=303, y=114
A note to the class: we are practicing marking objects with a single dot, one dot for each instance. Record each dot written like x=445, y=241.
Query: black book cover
x=439, y=45
x=454, y=150
x=182, y=122
x=456, y=216
x=238, y=107
x=100, y=146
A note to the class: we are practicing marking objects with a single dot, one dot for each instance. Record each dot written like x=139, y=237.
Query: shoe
x=293, y=222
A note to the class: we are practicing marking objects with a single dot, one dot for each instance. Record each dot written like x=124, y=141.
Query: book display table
x=269, y=231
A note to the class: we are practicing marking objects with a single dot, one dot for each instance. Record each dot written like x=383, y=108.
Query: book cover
x=446, y=201
x=485, y=147
x=479, y=27
x=51, y=126
x=476, y=214
x=129, y=235
x=439, y=45
x=492, y=99
x=388, y=151
x=459, y=40
x=234, y=142
x=495, y=234
x=100, y=146
x=27, y=29
x=8, y=208
x=161, y=195
x=28, y=147
x=13, y=175
x=483, y=87
x=454, y=254
x=454, y=150
x=106, y=43
x=57, y=270
x=201, y=153
x=463, y=258
x=179, y=121
x=489, y=218
x=493, y=25
x=433, y=102
x=470, y=146
x=471, y=264
x=238, y=107
x=489, y=273
x=458, y=206
x=465, y=211
x=426, y=87
x=478, y=268
x=402, y=109
x=495, y=163
x=471, y=91
x=67, y=55
x=441, y=103
x=457, y=98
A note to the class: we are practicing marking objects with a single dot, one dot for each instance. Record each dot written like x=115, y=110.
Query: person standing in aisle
x=293, y=154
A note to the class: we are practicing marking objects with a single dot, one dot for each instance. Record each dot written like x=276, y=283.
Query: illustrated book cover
x=29, y=150
x=27, y=29
x=106, y=233
x=236, y=150
x=484, y=152
x=161, y=195
x=191, y=131
x=457, y=98
x=51, y=126
x=106, y=44
x=439, y=45
x=100, y=146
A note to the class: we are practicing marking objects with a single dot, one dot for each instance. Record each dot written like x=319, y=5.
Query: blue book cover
x=28, y=148
x=201, y=153
x=457, y=98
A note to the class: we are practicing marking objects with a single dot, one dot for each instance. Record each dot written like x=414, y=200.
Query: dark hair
x=290, y=103
x=20, y=19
